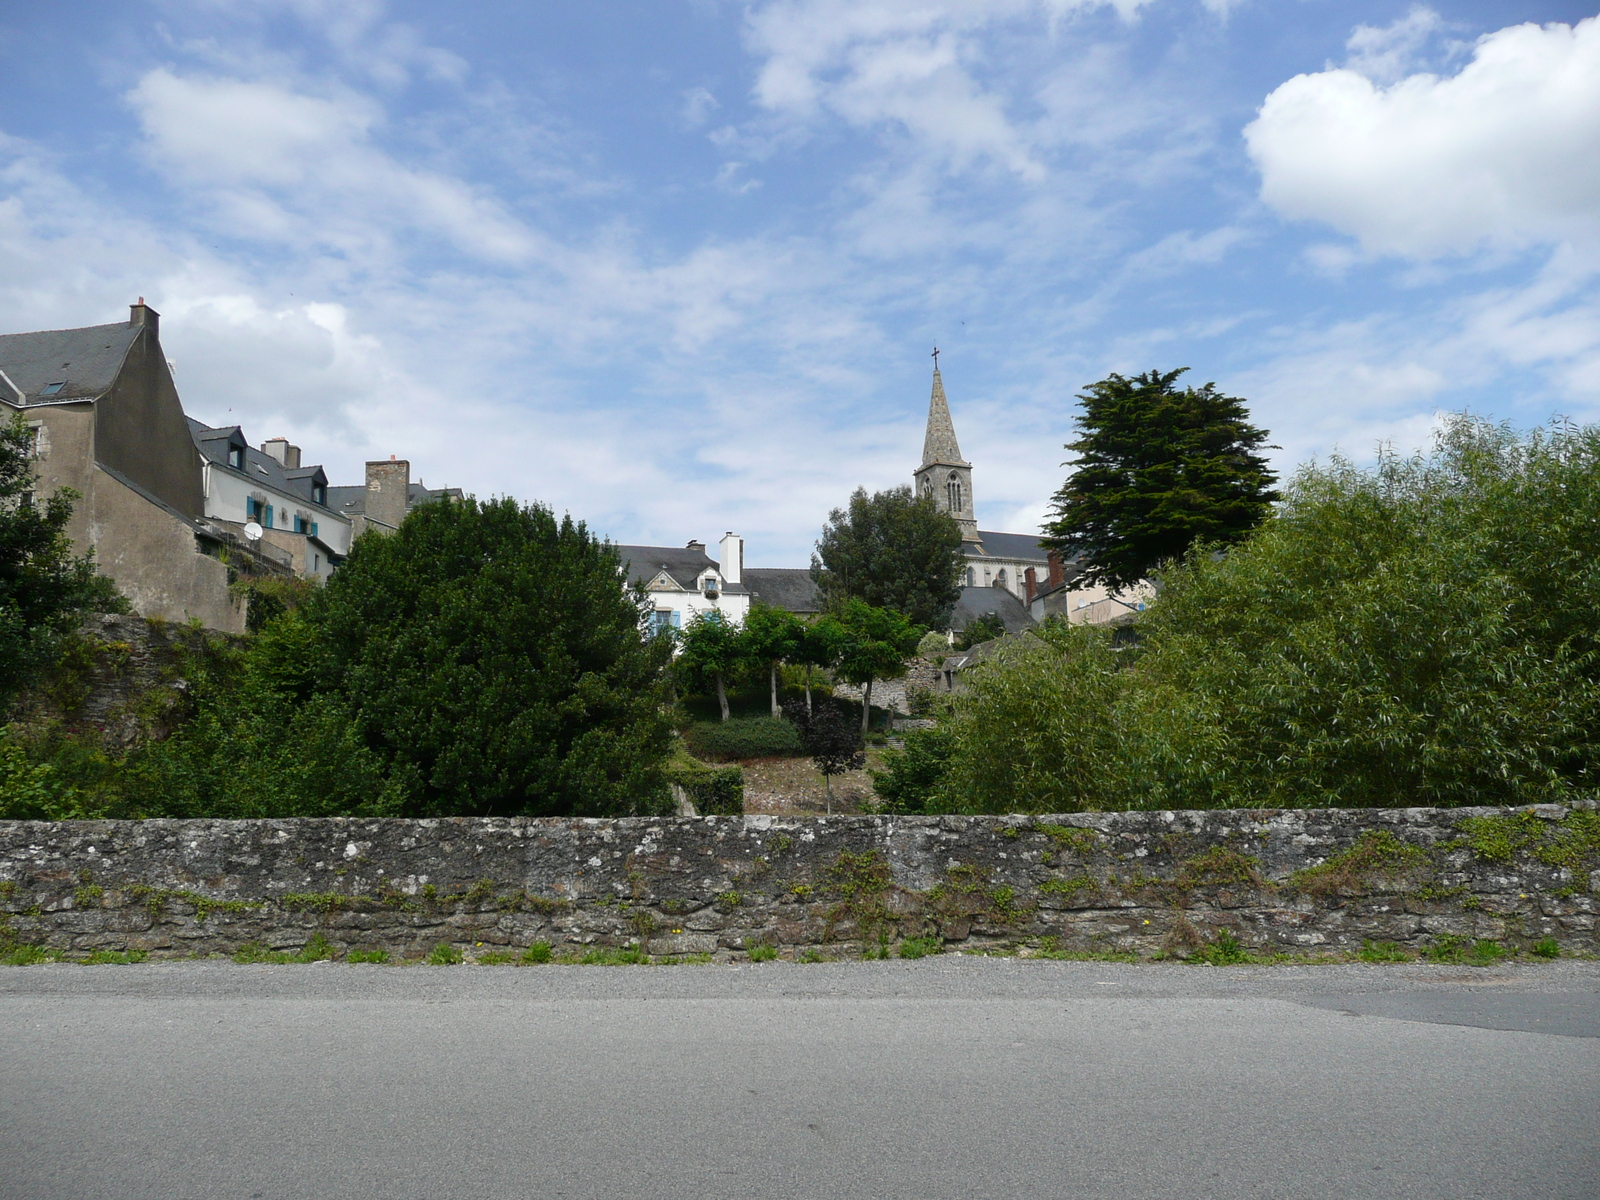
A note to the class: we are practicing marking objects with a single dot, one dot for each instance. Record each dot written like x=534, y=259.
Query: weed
x=1225, y=951
x=1433, y=893
x=117, y=957
x=921, y=947
x=1485, y=953
x=24, y=956
x=1545, y=948
x=1452, y=948
x=1376, y=852
x=1070, y=837
x=367, y=956
x=811, y=955
x=1050, y=947
x=539, y=952
x=614, y=956
x=1381, y=952
x=782, y=842
x=686, y=960
x=316, y=950
x=800, y=891
x=879, y=952
x=1220, y=866
x=444, y=955
x=1068, y=888
x=497, y=958
x=88, y=896
x=863, y=882
x=762, y=952
x=730, y=899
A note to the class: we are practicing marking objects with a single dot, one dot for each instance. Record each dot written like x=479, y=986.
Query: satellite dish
x=252, y=531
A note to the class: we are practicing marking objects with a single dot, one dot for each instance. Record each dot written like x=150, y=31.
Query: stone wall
x=1299, y=881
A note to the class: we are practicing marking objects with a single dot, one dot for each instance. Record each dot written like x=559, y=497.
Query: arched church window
x=952, y=490
x=972, y=577
x=1000, y=579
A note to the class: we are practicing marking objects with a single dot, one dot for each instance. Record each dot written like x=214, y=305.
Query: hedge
x=712, y=790
x=741, y=738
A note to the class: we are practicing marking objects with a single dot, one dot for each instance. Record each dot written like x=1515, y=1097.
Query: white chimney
x=732, y=564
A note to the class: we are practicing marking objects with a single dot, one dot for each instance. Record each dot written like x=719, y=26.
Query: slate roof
x=644, y=563
x=86, y=360
x=350, y=500
x=261, y=469
x=1012, y=545
x=790, y=588
x=978, y=602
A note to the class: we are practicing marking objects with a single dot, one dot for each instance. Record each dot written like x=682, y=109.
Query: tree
x=485, y=653
x=1158, y=469
x=874, y=644
x=818, y=647
x=772, y=635
x=44, y=589
x=830, y=738
x=713, y=647
x=893, y=550
x=982, y=629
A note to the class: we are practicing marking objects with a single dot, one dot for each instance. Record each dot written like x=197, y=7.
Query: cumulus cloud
x=1503, y=154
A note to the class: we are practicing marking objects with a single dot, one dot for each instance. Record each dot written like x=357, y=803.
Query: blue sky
x=676, y=268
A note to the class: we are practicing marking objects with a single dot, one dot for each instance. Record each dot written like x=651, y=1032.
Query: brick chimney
x=388, y=492
x=1058, y=574
x=142, y=314
x=1030, y=585
x=694, y=545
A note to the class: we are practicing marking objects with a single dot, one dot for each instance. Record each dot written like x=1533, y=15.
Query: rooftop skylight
x=52, y=388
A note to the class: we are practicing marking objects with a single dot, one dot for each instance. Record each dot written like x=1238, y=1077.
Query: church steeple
x=944, y=474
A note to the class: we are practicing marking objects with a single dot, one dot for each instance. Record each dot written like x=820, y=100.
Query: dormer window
x=319, y=494
x=236, y=457
x=710, y=585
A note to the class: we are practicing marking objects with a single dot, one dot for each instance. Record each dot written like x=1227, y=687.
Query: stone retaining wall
x=1146, y=883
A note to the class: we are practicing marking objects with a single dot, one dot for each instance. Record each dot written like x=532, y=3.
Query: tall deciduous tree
x=713, y=647
x=1159, y=467
x=773, y=636
x=875, y=644
x=893, y=549
x=44, y=588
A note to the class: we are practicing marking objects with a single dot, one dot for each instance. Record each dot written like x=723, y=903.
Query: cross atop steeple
x=935, y=349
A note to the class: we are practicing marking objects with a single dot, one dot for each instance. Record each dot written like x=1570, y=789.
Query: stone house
x=107, y=422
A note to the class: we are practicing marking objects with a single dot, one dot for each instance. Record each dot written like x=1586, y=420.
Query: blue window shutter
x=268, y=521
x=313, y=529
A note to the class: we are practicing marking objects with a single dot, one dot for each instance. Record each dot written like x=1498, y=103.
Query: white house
x=682, y=582
x=271, y=488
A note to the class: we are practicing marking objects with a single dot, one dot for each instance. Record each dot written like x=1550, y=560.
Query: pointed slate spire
x=939, y=443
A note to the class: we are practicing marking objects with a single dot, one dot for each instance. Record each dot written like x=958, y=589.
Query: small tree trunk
x=808, y=689
x=866, y=708
x=722, y=696
x=775, y=709
x=827, y=782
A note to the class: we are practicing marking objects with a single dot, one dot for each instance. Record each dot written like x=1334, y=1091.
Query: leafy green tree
x=982, y=629
x=45, y=590
x=1423, y=633
x=818, y=648
x=892, y=549
x=773, y=636
x=911, y=778
x=874, y=644
x=1158, y=469
x=830, y=738
x=713, y=647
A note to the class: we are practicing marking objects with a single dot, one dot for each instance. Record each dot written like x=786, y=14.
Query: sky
x=677, y=266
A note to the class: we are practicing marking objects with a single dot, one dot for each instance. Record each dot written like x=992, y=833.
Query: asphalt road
x=949, y=1077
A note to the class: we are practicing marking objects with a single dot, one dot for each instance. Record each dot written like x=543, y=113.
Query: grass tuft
x=921, y=947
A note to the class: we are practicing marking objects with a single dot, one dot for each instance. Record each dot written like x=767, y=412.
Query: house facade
x=107, y=422
x=682, y=582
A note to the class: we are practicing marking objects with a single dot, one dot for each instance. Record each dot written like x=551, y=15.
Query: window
x=301, y=525
x=27, y=499
x=53, y=388
x=316, y=562
x=952, y=491
x=972, y=577
x=663, y=619
x=1000, y=579
x=319, y=494
x=236, y=457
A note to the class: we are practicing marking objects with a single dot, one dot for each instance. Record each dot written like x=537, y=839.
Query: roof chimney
x=1058, y=574
x=1030, y=584
x=388, y=492
x=142, y=314
x=288, y=456
x=694, y=545
x=732, y=564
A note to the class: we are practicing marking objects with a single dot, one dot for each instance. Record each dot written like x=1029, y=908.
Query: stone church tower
x=944, y=474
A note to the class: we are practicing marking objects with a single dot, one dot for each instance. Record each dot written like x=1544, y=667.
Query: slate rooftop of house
x=83, y=361
x=685, y=565
x=261, y=468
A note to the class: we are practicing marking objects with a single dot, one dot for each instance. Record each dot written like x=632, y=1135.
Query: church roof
x=978, y=602
x=1011, y=545
x=939, y=443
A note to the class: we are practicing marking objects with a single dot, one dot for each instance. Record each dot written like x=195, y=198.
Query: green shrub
x=762, y=952
x=921, y=947
x=539, y=952
x=444, y=955
x=911, y=776
x=367, y=956
x=1225, y=951
x=1380, y=952
x=742, y=738
x=712, y=790
x=1545, y=948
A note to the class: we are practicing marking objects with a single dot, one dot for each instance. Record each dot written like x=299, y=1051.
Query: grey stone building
x=107, y=422
x=383, y=501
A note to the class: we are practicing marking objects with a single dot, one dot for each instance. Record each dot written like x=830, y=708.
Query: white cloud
x=1388, y=54
x=1504, y=154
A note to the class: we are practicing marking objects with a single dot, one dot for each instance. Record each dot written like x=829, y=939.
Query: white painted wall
x=226, y=491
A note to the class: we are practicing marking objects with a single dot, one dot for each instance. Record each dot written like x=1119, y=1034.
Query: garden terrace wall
x=1297, y=881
